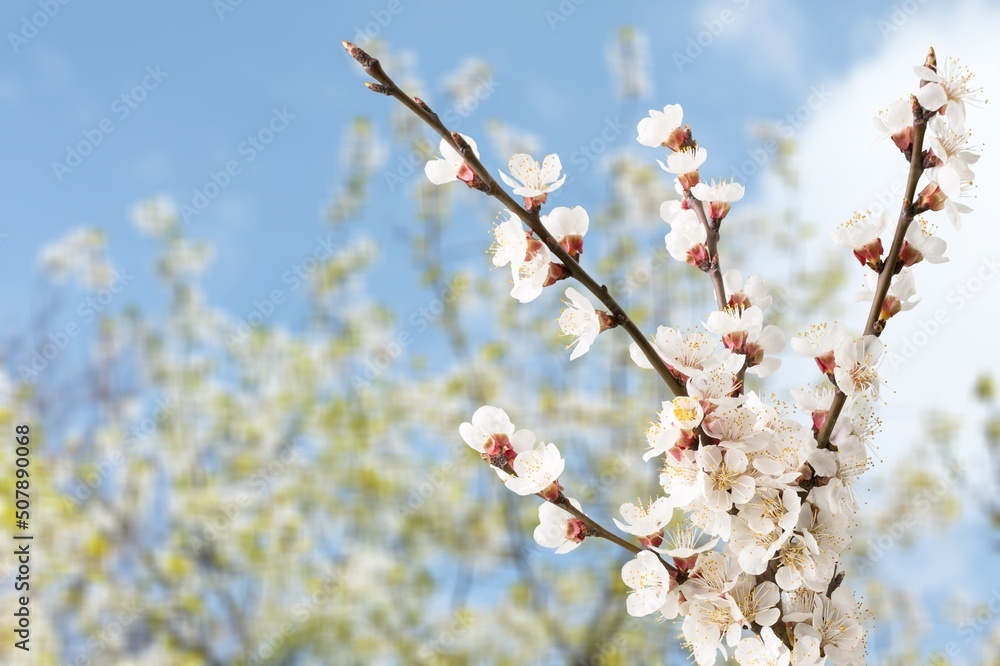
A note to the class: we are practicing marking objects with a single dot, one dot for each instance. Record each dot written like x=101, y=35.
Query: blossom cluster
x=743, y=546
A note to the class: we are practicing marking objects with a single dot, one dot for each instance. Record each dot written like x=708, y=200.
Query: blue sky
x=226, y=67
x=225, y=70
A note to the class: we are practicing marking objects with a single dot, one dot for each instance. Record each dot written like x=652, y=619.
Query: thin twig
x=712, y=244
x=531, y=218
x=906, y=216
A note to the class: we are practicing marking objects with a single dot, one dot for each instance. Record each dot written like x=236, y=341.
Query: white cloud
x=841, y=172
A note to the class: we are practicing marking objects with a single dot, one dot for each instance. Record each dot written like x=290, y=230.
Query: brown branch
x=531, y=218
x=712, y=244
x=563, y=503
x=906, y=215
x=715, y=272
x=596, y=529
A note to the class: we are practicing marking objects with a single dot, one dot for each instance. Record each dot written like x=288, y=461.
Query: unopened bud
x=698, y=256
x=904, y=139
x=735, y=341
x=909, y=255
x=930, y=62
x=688, y=180
x=826, y=363
x=606, y=319
x=652, y=540
x=552, y=491
x=557, y=272
x=573, y=244
x=890, y=307
x=358, y=54
x=461, y=144
x=577, y=530
x=680, y=139
x=422, y=104
x=870, y=254
x=378, y=87
x=930, y=198
x=739, y=301
x=819, y=418
x=534, y=204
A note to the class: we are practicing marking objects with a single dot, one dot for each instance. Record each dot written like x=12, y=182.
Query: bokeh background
x=244, y=329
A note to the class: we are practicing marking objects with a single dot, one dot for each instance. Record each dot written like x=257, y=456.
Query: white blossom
x=744, y=294
x=581, y=321
x=534, y=470
x=558, y=528
x=686, y=160
x=451, y=165
x=660, y=126
x=650, y=582
x=687, y=354
x=565, y=222
x=686, y=239
x=510, y=245
x=899, y=298
x=491, y=430
x=724, y=477
x=155, y=216
x=719, y=196
x=532, y=181
x=920, y=243
x=642, y=522
x=949, y=90
x=530, y=276
x=857, y=366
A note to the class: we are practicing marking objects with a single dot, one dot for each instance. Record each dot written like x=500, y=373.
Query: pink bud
x=826, y=362
x=552, y=491
x=577, y=530
x=930, y=198
x=870, y=254
x=909, y=255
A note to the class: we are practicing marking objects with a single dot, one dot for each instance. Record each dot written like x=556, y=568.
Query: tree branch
x=531, y=218
x=712, y=244
x=885, y=277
